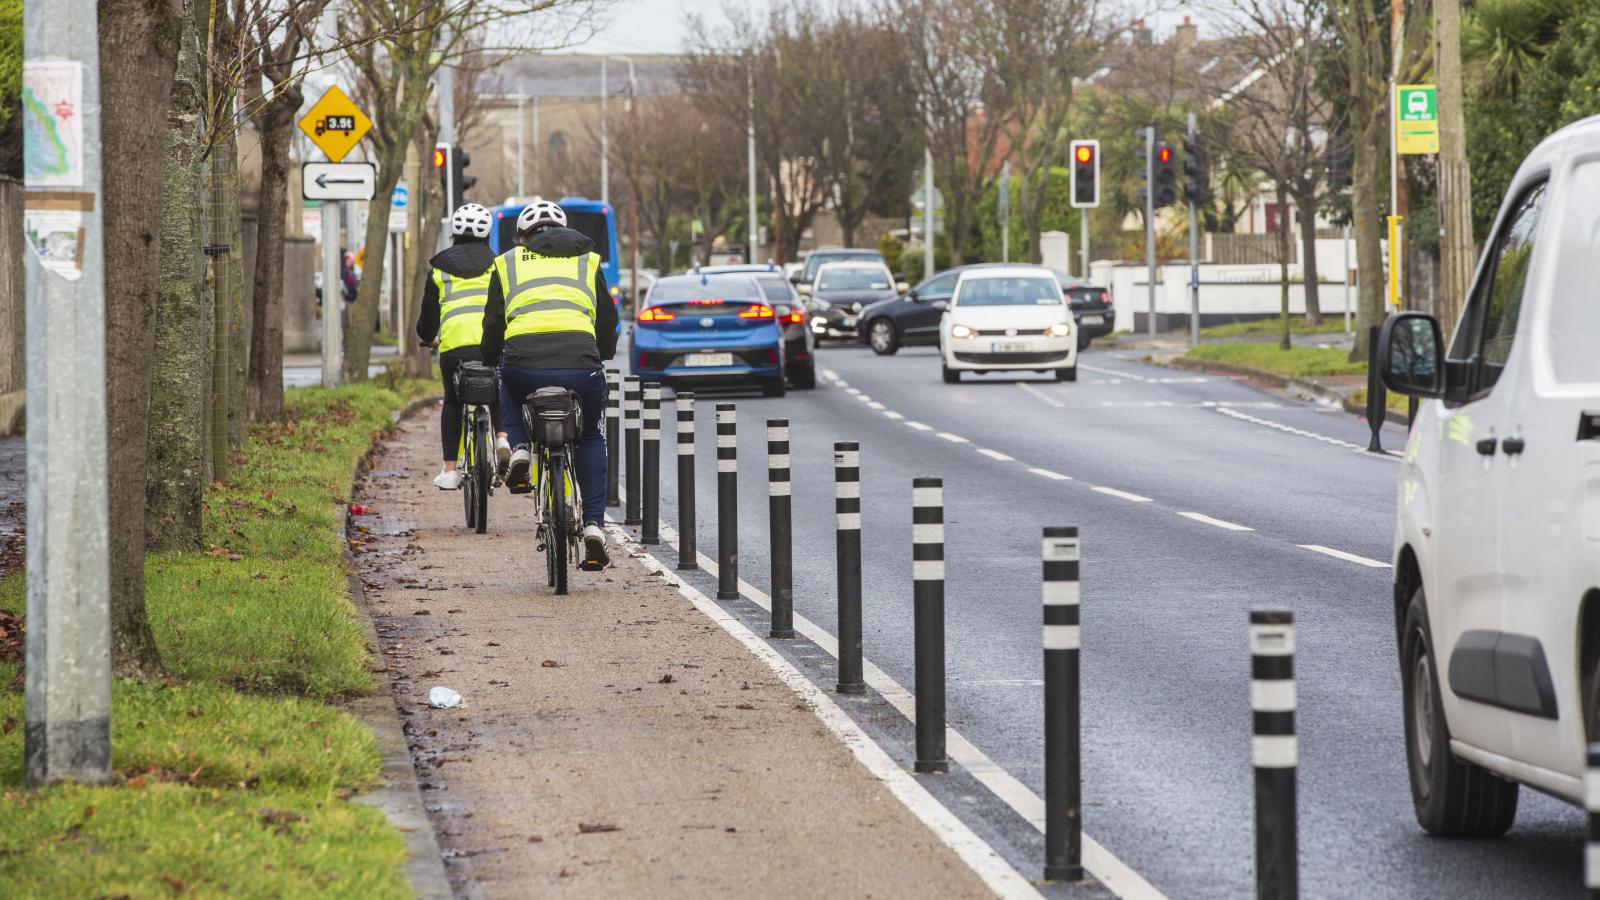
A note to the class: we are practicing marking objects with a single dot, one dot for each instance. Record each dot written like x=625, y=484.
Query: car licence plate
x=1094, y=320
x=1008, y=347
x=708, y=359
x=849, y=322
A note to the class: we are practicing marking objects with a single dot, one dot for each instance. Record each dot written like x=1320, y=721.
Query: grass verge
x=1269, y=327
x=232, y=777
x=1297, y=362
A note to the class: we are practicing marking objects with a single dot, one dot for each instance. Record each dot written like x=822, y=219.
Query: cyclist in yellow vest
x=452, y=322
x=551, y=322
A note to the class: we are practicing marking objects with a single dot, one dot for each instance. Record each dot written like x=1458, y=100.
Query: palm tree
x=1505, y=40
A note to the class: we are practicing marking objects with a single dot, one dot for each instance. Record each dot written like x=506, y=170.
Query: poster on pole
x=52, y=124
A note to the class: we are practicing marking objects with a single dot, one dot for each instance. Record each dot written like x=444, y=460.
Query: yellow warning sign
x=335, y=124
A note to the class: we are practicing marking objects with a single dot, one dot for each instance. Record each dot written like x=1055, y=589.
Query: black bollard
x=650, y=529
x=1274, y=752
x=1063, y=770
x=687, y=558
x=780, y=532
x=727, y=503
x=613, y=436
x=927, y=598
x=1591, y=806
x=847, y=507
x=1377, y=394
x=630, y=430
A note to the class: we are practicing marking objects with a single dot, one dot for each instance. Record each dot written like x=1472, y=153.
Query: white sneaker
x=449, y=480
x=594, y=546
x=517, y=475
x=502, y=451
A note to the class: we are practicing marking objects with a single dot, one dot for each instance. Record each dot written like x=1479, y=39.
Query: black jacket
x=467, y=258
x=558, y=350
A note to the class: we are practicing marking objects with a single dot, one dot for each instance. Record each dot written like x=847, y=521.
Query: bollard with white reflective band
x=1591, y=806
x=780, y=532
x=1272, y=706
x=687, y=555
x=847, y=545
x=631, y=407
x=650, y=528
x=727, y=502
x=613, y=436
x=927, y=599
x=1063, y=768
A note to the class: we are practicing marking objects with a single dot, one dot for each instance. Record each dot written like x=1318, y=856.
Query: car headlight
x=962, y=331
x=1059, y=330
x=819, y=323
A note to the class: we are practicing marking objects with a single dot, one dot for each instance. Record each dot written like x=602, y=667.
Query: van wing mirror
x=1411, y=355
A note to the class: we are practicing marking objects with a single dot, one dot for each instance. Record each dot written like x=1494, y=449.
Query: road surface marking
x=1289, y=429
x=829, y=374
x=1053, y=476
x=1202, y=517
x=1113, y=373
x=1041, y=395
x=1117, y=877
x=892, y=414
x=1124, y=495
x=987, y=864
x=1347, y=557
x=953, y=438
x=873, y=404
x=996, y=455
x=919, y=426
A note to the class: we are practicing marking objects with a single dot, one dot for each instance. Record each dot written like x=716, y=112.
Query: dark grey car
x=841, y=291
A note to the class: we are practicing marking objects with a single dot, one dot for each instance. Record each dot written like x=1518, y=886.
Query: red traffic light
x=440, y=157
x=1165, y=154
x=1085, y=153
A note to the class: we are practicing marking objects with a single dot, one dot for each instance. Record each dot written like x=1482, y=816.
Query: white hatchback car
x=1008, y=318
x=1497, y=552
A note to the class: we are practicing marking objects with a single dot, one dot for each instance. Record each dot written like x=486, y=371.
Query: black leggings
x=450, y=416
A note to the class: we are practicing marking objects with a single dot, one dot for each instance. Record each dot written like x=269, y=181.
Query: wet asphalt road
x=1167, y=777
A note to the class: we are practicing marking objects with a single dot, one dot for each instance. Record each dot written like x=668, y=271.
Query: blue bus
x=595, y=219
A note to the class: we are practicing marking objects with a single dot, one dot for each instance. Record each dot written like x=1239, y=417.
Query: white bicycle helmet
x=540, y=214
x=471, y=219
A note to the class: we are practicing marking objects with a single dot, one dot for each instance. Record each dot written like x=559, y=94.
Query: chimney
x=1142, y=36
x=1185, y=35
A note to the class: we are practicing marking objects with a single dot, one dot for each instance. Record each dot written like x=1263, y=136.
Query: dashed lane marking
x=1053, y=476
x=1202, y=517
x=919, y=426
x=1132, y=498
x=1041, y=395
x=1299, y=432
x=893, y=415
x=1347, y=557
x=996, y=455
x=953, y=438
x=873, y=404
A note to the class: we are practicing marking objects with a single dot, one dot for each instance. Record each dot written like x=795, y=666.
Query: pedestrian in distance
x=550, y=322
x=451, y=322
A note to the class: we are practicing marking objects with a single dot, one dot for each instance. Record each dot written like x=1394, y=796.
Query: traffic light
x=1196, y=171
x=1085, y=174
x=1339, y=159
x=444, y=164
x=459, y=177
x=1166, y=179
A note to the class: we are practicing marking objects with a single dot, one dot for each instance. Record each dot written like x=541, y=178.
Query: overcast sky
x=657, y=26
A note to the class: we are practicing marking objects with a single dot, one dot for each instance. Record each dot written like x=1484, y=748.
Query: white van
x=1497, y=552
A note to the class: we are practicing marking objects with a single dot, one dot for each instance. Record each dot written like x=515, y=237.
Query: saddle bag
x=477, y=384
x=553, y=416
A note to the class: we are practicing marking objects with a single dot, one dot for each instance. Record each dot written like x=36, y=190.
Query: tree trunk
x=1456, y=255
x=358, y=339
x=424, y=234
x=275, y=121
x=1285, y=243
x=1305, y=207
x=1367, y=213
x=180, y=364
x=139, y=44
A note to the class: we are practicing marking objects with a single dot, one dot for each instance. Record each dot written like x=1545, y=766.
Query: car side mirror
x=901, y=286
x=805, y=290
x=940, y=304
x=796, y=278
x=1411, y=355
x=912, y=296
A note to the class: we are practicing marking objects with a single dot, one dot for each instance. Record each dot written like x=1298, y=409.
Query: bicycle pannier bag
x=553, y=416
x=477, y=384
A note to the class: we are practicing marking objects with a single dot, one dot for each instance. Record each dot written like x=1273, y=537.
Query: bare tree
x=1364, y=36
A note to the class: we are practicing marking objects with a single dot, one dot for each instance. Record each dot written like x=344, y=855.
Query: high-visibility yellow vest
x=547, y=294
x=461, y=302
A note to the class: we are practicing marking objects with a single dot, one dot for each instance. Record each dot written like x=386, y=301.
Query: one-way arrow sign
x=338, y=181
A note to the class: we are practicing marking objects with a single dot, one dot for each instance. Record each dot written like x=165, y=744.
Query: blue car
x=709, y=330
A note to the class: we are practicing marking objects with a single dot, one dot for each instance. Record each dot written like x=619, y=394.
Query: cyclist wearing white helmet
x=550, y=322
x=451, y=321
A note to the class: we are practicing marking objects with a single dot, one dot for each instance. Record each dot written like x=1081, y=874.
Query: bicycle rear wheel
x=556, y=519
x=469, y=489
x=482, y=473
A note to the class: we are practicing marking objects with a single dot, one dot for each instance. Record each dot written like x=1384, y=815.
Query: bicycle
x=554, y=419
x=477, y=385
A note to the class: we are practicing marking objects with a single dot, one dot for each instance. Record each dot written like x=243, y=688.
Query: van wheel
x=951, y=376
x=1452, y=797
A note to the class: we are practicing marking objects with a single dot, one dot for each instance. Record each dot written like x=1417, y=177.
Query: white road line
x=829, y=374
x=997, y=455
x=873, y=404
x=1123, y=494
x=1202, y=517
x=1298, y=432
x=1118, y=877
x=1347, y=557
x=953, y=438
x=853, y=391
x=1053, y=476
x=990, y=866
x=1112, y=372
x=893, y=415
x=1041, y=395
x=919, y=426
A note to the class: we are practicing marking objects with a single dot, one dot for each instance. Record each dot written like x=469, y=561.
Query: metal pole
x=1083, y=242
x=1591, y=808
x=847, y=546
x=727, y=502
x=927, y=600
x=1272, y=706
x=613, y=436
x=1377, y=394
x=927, y=156
x=445, y=79
x=332, y=296
x=605, y=135
x=650, y=530
x=1150, y=218
x=687, y=557
x=1194, y=255
x=67, y=736
x=1347, y=328
x=537, y=145
x=522, y=140
x=1063, y=775
x=630, y=432
x=750, y=159
x=631, y=304
x=1005, y=211
x=781, y=533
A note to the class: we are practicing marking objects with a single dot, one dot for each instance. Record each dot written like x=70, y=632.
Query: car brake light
x=1105, y=297
x=798, y=318
x=756, y=311
x=655, y=314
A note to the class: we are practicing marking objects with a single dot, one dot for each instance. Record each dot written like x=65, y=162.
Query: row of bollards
x=1271, y=631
